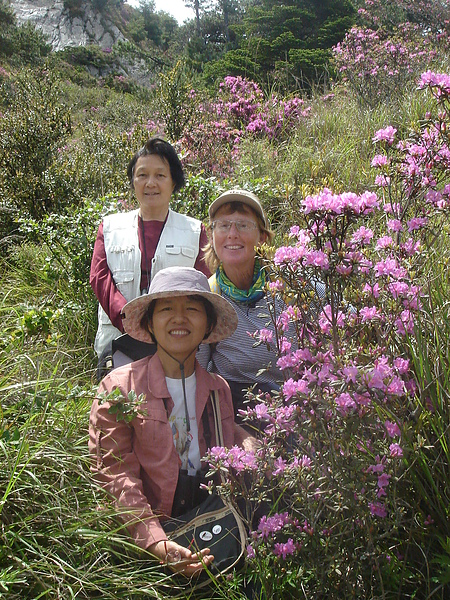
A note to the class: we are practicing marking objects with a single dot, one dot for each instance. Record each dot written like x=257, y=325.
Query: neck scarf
x=256, y=291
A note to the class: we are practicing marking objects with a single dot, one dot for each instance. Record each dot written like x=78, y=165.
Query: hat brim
x=133, y=311
x=238, y=196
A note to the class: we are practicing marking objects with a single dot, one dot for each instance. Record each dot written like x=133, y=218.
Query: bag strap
x=215, y=406
x=215, y=403
x=206, y=428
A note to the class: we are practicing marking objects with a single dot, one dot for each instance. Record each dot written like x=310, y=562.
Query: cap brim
x=232, y=196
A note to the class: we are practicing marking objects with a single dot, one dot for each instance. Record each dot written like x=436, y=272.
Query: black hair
x=166, y=152
x=211, y=315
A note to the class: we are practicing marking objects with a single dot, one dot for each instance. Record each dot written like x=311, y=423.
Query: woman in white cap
x=147, y=446
x=238, y=226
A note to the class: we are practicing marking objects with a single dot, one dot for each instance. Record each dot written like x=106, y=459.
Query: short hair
x=166, y=152
x=211, y=315
x=210, y=257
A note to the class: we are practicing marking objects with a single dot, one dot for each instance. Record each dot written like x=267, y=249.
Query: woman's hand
x=181, y=559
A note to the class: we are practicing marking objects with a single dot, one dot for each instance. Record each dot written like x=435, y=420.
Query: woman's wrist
x=164, y=552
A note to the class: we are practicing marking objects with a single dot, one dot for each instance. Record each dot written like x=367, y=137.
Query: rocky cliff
x=63, y=29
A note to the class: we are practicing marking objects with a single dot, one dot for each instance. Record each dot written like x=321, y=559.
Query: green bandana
x=255, y=293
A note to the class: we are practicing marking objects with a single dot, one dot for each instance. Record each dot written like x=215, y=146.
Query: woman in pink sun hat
x=147, y=445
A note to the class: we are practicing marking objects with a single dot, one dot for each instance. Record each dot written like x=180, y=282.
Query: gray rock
x=62, y=30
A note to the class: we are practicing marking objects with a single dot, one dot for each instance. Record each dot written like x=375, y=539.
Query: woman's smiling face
x=153, y=185
x=236, y=248
x=179, y=324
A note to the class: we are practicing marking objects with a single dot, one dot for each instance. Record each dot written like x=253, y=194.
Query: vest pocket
x=189, y=252
x=173, y=249
x=124, y=282
x=182, y=253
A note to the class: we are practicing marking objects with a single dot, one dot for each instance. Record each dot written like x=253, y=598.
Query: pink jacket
x=137, y=461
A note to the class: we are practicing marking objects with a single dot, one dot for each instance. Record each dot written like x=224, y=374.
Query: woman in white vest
x=132, y=247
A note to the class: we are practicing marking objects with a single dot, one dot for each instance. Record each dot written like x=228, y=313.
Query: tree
x=296, y=34
x=229, y=9
x=147, y=24
x=195, y=5
x=428, y=14
x=217, y=34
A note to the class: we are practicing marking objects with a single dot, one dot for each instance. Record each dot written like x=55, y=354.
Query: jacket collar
x=156, y=381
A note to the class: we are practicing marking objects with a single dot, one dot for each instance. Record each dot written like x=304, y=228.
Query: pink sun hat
x=179, y=281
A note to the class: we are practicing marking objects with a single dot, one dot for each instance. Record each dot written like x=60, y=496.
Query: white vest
x=177, y=246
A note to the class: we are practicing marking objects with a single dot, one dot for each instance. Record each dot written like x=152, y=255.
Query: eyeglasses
x=241, y=226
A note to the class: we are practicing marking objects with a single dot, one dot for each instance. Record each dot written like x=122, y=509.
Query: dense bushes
x=34, y=126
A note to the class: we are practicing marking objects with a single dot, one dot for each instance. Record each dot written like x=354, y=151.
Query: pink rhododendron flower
x=372, y=290
x=218, y=453
x=378, y=509
x=344, y=270
x=385, y=135
x=432, y=79
x=369, y=313
x=291, y=388
x=270, y=525
x=265, y=336
x=395, y=225
x=396, y=386
x=317, y=258
x=384, y=242
x=380, y=160
x=276, y=286
x=382, y=180
x=405, y=323
x=262, y=412
x=362, y=235
x=417, y=223
x=350, y=374
x=304, y=462
x=286, y=549
x=378, y=468
x=411, y=247
x=398, y=289
x=383, y=480
x=395, y=450
x=389, y=267
x=402, y=365
x=345, y=403
x=279, y=466
x=392, y=428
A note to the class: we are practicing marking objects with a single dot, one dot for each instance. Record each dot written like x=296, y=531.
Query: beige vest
x=177, y=246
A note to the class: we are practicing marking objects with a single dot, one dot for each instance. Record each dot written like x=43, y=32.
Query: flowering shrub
x=429, y=14
x=240, y=111
x=333, y=472
x=377, y=64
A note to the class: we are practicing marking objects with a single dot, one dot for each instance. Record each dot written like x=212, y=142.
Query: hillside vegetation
x=353, y=169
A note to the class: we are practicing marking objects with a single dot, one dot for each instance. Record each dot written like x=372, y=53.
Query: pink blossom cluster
x=417, y=166
x=335, y=436
x=272, y=529
x=239, y=111
x=234, y=458
x=377, y=64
